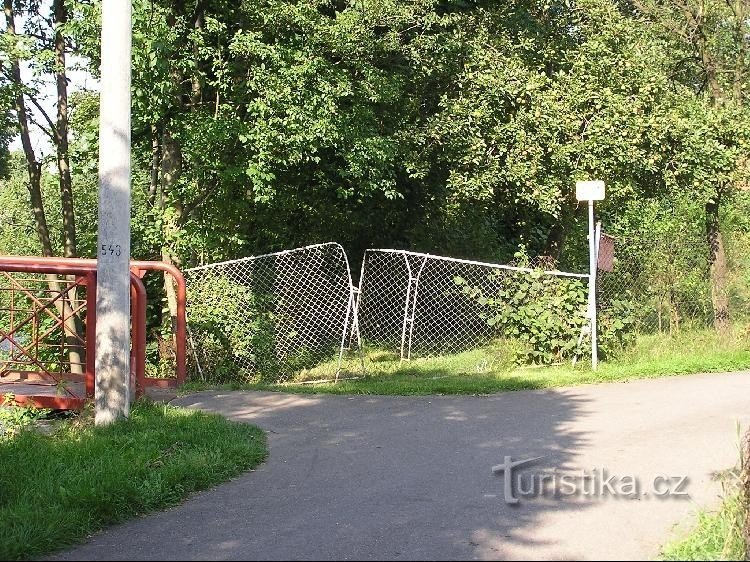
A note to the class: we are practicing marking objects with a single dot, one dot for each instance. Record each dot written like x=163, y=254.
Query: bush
x=233, y=332
x=616, y=328
x=545, y=312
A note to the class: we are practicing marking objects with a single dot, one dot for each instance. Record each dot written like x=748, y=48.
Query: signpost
x=112, y=396
x=592, y=191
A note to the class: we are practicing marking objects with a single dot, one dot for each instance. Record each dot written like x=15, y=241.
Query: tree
x=33, y=47
x=14, y=54
x=7, y=128
x=710, y=46
x=456, y=126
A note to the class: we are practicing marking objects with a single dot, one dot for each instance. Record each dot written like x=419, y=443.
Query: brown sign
x=606, y=253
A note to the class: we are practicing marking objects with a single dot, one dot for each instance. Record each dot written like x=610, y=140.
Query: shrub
x=616, y=328
x=233, y=331
x=547, y=314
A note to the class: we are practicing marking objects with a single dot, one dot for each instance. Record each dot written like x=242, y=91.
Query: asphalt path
x=403, y=478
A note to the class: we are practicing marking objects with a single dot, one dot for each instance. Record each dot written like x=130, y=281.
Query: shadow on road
x=373, y=477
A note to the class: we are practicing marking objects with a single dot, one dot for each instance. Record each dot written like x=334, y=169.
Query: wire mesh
x=658, y=286
x=419, y=304
x=271, y=316
x=280, y=315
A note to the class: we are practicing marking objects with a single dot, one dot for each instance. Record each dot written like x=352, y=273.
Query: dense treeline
x=453, y=126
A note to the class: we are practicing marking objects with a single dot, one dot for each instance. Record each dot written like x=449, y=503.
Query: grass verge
x=492, y=369
x=57, y=489
x=721, y=534
x=717, y=535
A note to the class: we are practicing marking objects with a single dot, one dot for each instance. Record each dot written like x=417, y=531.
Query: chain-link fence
x=664, y=286
x=296, y=312
x=269, y=317
x=419, y=305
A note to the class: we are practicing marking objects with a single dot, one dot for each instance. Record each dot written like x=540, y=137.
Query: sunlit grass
x=717, y=535
x=57, y=489
x=492, y=368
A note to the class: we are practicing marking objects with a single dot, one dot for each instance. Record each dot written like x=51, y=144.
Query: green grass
x=492, y=369
x=717, y=535
x=57, y=489
x=720, y=534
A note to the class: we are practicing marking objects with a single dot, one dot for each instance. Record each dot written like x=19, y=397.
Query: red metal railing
x=26, y=341
x=181, y=321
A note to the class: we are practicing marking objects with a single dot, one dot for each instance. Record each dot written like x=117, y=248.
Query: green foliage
x=453, y=127
x=7, y=128
x=17, y=234
x=223, y=343
x=492, y=368
x=6, y=134
x=14, y=418
x=616, y=330
x=459, y=125
x=545, y=312
x=719, y=534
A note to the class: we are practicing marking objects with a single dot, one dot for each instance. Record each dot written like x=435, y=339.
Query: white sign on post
x=590, y=190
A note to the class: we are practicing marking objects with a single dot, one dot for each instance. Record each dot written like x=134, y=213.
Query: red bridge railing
x=48, y=327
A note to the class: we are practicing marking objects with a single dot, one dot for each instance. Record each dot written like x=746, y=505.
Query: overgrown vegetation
x=545, y=313
x=718, y=535
x=14, y=418
x=234, y=330
x=59, y=488
x=456, y=127
x=453, y=126
x=494, y=368
x=721, y=534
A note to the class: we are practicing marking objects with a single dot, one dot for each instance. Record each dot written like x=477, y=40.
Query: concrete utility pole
x=113, y=270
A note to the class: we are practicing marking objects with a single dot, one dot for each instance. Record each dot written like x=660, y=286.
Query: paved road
x=411, y=477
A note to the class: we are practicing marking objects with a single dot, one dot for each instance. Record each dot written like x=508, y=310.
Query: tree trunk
x=33, y=167
x=717, y=262
x=171, y=168
x=153, y=188
x=169, y=288
x=61, y=135
x=74, y=327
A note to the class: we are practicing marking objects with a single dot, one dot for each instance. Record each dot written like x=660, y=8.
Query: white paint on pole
x=112, y=398
x=592, y=191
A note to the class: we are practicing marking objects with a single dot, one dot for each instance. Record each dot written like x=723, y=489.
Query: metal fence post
x=592, y=287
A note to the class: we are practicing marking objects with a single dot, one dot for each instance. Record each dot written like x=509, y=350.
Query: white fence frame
x=412, y=290
x=415, y=263
x=351, y=312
